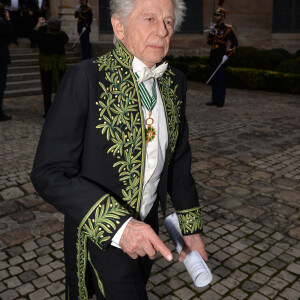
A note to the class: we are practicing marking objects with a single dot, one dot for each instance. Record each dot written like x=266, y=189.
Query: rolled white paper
x=194, y=263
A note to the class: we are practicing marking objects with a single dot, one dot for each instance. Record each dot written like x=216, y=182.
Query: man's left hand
x=193, y=242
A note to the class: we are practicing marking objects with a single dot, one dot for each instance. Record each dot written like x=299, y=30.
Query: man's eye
x=149, y=19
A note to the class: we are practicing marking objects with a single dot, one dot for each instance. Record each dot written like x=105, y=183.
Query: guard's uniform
x=85, y=19
x=218, y=41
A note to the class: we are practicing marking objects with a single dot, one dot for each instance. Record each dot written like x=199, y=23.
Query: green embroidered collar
x=123, y=56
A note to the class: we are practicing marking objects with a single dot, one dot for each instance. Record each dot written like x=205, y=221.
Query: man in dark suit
x=115, y=142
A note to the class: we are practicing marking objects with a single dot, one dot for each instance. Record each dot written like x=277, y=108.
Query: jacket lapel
x=121, y=121
x=172, y=105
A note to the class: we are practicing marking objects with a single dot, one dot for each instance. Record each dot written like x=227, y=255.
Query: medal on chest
x=148, y=102
x=150, y=131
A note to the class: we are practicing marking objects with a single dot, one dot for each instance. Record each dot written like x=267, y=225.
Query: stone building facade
x=260, y=23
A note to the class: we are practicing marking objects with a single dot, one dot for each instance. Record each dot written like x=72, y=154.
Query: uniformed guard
x=219, y=36
x=84, y=15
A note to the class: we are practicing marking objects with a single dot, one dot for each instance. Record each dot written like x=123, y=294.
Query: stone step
x=19, y=69
x=23, y=84
x=14, y=51
x=22, y=56
x=12, y=70
x=35, y=61
x=26, y=76
x=23, y=92
x=27, y=49
x=24, y=81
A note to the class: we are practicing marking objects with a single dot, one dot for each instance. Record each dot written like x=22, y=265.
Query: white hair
x=123, y=8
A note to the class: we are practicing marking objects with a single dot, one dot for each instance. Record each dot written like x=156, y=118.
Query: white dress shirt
x=155, y=152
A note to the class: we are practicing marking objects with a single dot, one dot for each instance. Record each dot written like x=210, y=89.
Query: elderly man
x=114, y=143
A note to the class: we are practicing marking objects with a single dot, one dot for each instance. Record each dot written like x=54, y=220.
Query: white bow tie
x=147, y=73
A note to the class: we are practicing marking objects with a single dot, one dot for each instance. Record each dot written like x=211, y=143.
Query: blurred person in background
x=218, y=38
x=6, y=33
x=52, y=58
x=38, y=8
x=14, y=13
x=84, y=15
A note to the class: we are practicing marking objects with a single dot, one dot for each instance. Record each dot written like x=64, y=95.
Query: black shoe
x=211, y=103
x=220, y=105
x=5, y=117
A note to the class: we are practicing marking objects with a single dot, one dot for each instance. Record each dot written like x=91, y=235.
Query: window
x=194, y=18
x=191, y=24
x=286, y=16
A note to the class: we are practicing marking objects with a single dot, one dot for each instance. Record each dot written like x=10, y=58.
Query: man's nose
x=162, y=30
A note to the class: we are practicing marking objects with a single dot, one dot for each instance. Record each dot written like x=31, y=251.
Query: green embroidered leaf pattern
x=81, y=266
x=190, y=221
x=120, y=119
x=172, y=107
x=107, y=214
x=100, y=284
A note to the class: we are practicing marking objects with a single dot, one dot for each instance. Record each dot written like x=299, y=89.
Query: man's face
x=149, y=29
x=83, y=2
x=218, y=19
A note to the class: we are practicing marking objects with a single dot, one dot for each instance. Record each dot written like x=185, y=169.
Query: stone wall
x=252, y=22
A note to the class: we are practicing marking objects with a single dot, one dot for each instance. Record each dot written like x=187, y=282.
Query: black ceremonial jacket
x=91, y=155
x=6, y=32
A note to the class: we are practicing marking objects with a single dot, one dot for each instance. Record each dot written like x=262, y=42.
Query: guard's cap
x=220, y=11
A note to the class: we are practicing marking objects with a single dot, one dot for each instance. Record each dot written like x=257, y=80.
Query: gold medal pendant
x=150, y=131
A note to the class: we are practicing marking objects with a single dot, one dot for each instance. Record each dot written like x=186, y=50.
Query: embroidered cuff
x=103, y=220
x=190, y=220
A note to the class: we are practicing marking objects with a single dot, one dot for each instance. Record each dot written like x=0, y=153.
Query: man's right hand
x=139, y=239
x=41, y=22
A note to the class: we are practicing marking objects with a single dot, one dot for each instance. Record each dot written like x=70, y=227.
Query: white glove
x=224, y=59
x=78, y=8
x=212, y=29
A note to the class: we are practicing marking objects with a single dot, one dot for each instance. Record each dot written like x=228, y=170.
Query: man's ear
x=118, y=28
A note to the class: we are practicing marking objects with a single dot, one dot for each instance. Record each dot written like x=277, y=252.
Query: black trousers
x=122, y=277
x=85, y=45
x=46, y=78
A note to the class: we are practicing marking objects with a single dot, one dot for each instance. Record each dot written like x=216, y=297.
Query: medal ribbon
x=148, y=101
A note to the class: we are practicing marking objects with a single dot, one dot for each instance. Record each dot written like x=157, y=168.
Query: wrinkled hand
x=192, y=242
x=139, y=239
x=224, y=59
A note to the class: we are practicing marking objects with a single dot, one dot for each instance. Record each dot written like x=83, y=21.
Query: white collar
x=138, y=65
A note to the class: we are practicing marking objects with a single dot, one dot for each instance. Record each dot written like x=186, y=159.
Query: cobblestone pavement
x=246, y=163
